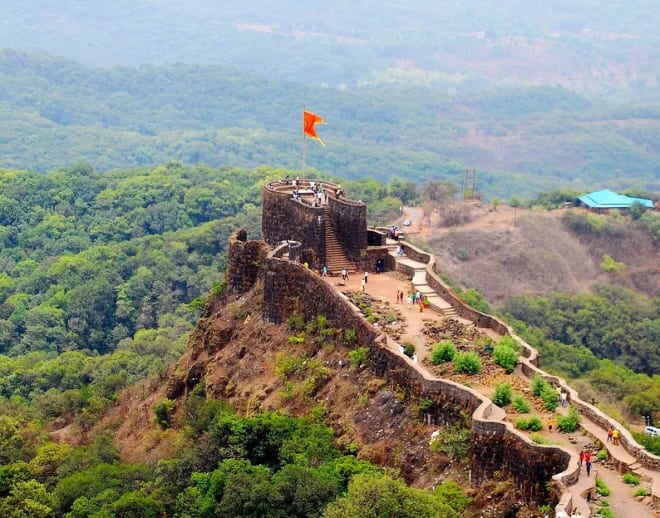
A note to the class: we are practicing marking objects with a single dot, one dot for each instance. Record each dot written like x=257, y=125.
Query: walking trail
x=384, y=287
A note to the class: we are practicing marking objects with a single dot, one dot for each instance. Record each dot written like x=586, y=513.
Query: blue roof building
x=610, y=200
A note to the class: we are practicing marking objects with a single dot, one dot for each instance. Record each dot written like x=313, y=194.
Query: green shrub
x=520, y=404
x=570, y=422
x=641, y=492
x=650, y=442
x=603, y=490
x=425, y=403
x=604, y=511
x=163, y=411
x=538, y=384
x=350, y=336
x=505, y=357
x=286, y=366
x=443, y=351
x=539, y=439
x=631, y=479
x=409, y=349
x=358, y=357
x=297, y=339
x=502, y=395
x=532, y=423
x=602, y=455
x=510, y=342
x=549, y=398
x=296, y=322
x=454, y=441
x=468, y=363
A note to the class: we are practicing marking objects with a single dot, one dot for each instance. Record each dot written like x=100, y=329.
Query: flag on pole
x=309, y=120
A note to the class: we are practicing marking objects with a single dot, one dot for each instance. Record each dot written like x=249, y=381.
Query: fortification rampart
x=244, y=261
x=290, y=288
x=349, y=221
x=301, y=218
x=284, y=218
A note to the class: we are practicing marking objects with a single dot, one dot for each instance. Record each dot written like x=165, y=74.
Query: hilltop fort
x=301, y=233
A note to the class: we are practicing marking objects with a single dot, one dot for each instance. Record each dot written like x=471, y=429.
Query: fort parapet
x=302, y=218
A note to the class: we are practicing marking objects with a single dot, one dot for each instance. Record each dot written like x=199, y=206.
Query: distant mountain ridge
x=523, y=140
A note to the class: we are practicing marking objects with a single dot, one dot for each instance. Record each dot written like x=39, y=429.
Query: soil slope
x=520, y=252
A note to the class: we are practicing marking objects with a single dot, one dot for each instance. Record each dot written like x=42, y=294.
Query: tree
x=373, y=496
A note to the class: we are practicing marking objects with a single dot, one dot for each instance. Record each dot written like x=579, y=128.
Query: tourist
x=366, y=277
x=550, y=423
x=615, y=436
x=398, y=295
x=364, y=282
x=344, y=274
x=581, y=458
x=609, y=434
x=587, y=463
x=324, y=270
x=562, y=397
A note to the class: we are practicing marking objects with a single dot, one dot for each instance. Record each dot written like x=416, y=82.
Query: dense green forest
x=608, y=338
x=523, y=139
x=103, y=276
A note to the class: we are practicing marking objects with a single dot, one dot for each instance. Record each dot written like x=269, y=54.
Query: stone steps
x=335, y=257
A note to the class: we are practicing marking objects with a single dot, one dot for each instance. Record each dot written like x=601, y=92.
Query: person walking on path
x=588, y=466
x=344, y=274
x=366, y=277
x=609, y=434
x=615, y=436
x=581, y=458
x=562, y=397
x=551, y=423
x=363, y=285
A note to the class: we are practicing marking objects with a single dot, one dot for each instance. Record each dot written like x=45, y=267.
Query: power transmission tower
x=470, y=184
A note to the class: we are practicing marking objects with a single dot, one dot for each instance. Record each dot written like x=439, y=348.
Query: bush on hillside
x=468, y=363
x=502, y=395
x=505, y=357
x=532, y=423
x=443, y=351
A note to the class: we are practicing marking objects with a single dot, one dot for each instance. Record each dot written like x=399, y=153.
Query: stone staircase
x=436, y=302
x=335, y=257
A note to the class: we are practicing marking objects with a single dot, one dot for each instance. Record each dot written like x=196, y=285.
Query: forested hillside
x=522, y=139
x=103, y=276
x=587, y=46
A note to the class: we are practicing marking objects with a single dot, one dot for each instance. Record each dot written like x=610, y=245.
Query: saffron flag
x=309, y=120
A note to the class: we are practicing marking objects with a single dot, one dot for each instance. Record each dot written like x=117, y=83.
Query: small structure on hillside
x=605, y=200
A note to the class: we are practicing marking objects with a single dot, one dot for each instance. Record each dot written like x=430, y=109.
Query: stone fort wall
x=285, y=218
x=289, y=288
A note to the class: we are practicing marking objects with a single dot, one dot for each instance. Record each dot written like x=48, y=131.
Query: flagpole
x=304, y=145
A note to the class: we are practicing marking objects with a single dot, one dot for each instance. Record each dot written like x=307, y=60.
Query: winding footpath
x=621, y=500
